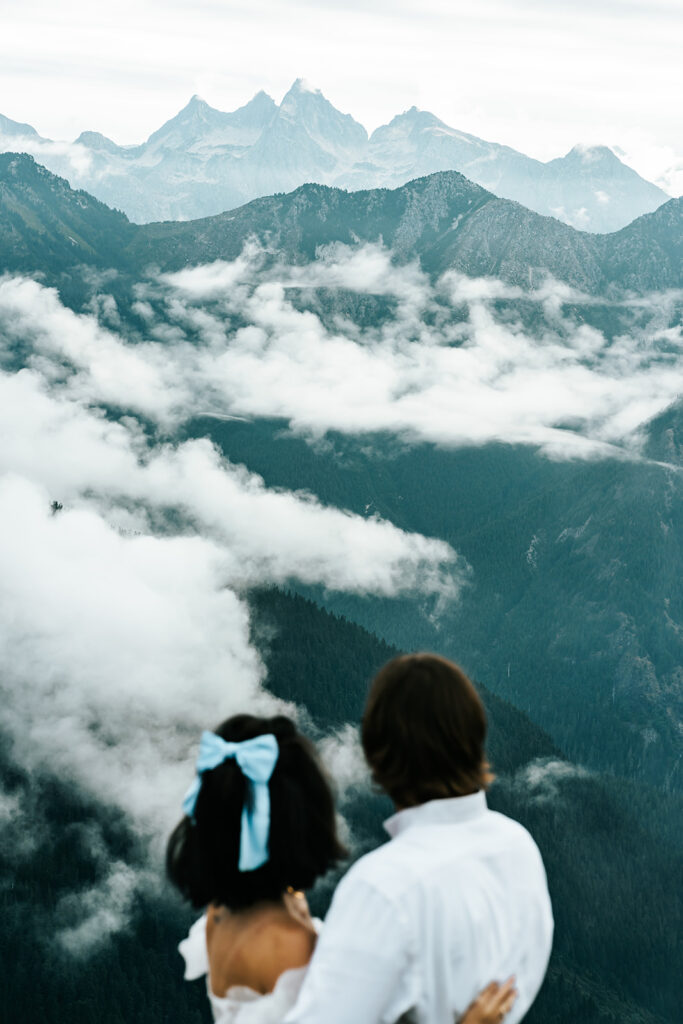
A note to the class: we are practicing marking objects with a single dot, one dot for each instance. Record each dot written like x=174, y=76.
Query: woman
x=259, y=828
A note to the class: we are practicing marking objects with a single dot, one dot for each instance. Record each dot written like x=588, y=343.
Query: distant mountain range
x=204, y=161
x=444, y=220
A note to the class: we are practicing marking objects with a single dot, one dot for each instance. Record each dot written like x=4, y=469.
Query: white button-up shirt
x=457, y=899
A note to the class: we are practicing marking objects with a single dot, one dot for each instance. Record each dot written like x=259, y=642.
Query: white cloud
x=578, y=218
x=101, y=910
x=108, y=371
x=21, y=830
x=658, y=161
x=422, y=372
x=9, y=807
x=74, y=158
x=542, y=780
x=73, y=451
x=116, y=651
x=671, y=178
x=136, y=642
x=342, y=753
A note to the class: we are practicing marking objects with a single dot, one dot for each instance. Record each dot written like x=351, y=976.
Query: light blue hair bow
x=256, y=759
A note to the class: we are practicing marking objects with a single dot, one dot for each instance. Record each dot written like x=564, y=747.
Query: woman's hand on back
x=492, y=1004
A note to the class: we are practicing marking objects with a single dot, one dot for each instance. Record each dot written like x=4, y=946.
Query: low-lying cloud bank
x=447, y=365
x=124, y=629
x=70, y=158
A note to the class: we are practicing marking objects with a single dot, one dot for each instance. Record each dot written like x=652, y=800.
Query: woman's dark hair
x=202, y=858
x=423, y=732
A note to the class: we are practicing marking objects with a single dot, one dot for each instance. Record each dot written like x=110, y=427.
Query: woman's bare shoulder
x=283, y=947
x=254, y=952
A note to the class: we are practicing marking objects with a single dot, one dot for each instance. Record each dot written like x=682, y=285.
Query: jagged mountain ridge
x=443, y=220
x=204, y=161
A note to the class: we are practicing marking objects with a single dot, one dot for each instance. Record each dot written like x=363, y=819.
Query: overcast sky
x=539, y=75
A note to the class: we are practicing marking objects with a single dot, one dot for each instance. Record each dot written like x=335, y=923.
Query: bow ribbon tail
x=255, y=828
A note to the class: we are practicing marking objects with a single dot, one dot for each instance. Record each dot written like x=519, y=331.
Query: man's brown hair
x=423, y=731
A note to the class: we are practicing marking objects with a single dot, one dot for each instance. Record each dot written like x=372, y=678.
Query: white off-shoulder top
x=240, y=1005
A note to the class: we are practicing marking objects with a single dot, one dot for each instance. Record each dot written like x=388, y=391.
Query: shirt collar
x=451, y=811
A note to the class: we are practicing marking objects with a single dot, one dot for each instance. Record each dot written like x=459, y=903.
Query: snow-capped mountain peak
x=585, y=154
x=302, y=85
x=335, y=133
x=301, y=98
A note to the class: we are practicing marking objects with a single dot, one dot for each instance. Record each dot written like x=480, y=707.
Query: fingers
x=507, y=989
x=492, y=1004
x=502, y=1001
x=495, y=1001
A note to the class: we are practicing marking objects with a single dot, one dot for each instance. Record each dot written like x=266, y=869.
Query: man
x=459, y=894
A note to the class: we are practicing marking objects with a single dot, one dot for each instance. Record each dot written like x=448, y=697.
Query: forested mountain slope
x=576, y=588
x=443, y=220
x=46, y=225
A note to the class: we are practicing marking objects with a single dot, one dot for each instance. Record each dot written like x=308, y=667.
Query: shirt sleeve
x=360, y=966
